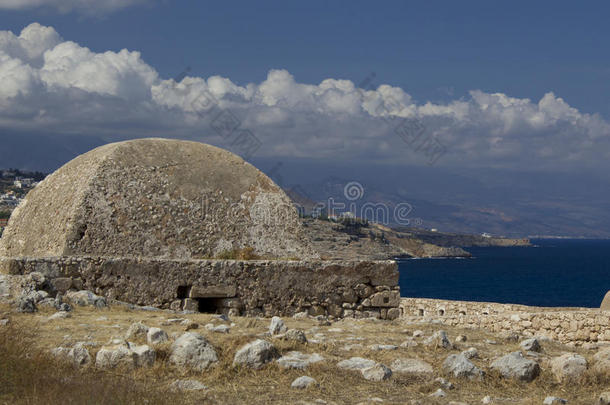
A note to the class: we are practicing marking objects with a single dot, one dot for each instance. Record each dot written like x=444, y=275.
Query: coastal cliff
x=461, y=240
x=364, y=241
x=360, y=240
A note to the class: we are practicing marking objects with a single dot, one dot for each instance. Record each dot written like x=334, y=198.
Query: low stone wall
x=566, y=325
x=275, y=287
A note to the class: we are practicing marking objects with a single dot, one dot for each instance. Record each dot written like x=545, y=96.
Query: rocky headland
x=361, y=240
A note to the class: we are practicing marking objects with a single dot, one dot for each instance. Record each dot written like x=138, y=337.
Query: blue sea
x=554, y=273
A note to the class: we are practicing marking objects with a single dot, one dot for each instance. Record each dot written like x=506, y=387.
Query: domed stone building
x=156, y=198
x=153, y=222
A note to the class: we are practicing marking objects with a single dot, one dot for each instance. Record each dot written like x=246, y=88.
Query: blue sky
x=434, y=50
x=508, y=84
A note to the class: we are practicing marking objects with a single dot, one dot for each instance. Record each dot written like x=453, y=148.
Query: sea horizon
x=551, y=273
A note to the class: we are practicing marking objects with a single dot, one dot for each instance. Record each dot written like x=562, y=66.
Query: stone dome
x=155, y=198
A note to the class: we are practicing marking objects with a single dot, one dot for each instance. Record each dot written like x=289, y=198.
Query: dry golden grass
x=29, y=375
x=32, y=377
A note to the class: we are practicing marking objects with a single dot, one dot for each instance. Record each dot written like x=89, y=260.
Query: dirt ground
x=30, y=375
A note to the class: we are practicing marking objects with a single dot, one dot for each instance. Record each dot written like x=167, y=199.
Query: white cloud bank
x=88, y=7
x=56, y=86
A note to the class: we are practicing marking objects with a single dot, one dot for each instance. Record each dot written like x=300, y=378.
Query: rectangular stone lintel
x=213, y=291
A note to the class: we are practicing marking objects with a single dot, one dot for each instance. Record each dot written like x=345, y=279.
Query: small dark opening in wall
x=386, y=300
x=183, y=291
x=421, y=312
x=441, y=312
x=462, y=312
x=82, y=230
x=208, y=305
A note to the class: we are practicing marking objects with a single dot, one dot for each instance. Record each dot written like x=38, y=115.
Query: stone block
x=393, y=313
x=363, y=290
x=214, y=291
x=190, y=305
x=385, y=299
x=61, y=284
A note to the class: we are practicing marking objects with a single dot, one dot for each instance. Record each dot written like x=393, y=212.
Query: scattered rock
x=217, y=328
x=601, y=361
x=296, y=335
x=277, y=326
x=378, y=372
x=61, y=284
x=144, y=356
x=37, y=296
x=439, y=339
x=460, y=366
x=530, y=345
x=418, y=333
x=86, y=298
x=554, y=400
x=47, y=303
x=356, y=363
x=154, y=336
x=78, y=355
x=303, y=382
x=568, y=366
x=604, y=398
x=172, y=321
x=60, y=315
x=115, y=356
x=255, y=354
x=461, y=338
x=383, y=347
x=412, y=366
x=187, y=385
x=192, y=351
x=439, y=393
x=26, y=304
x=471, y=353
x=514, y=365
x=298, y=360
x=137, y=331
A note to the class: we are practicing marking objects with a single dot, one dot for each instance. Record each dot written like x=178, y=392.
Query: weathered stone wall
x=274, y=287
x=566, y=325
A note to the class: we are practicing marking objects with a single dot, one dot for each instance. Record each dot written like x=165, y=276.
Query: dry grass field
x=29, y=375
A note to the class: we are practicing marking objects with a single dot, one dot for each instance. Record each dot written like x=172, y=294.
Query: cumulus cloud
x=89, y=7
x=59, y=86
